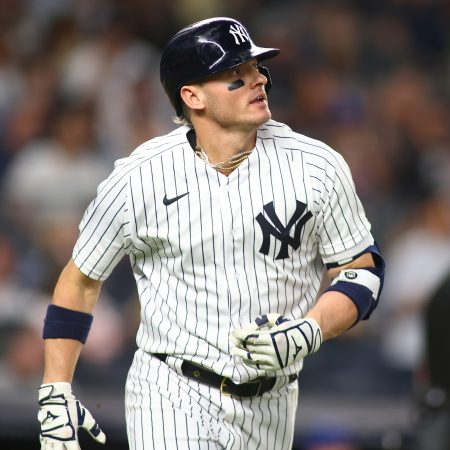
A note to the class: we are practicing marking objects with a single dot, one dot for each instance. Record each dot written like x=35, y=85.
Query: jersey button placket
x=228, y=199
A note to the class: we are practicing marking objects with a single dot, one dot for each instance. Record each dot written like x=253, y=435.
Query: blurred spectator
x=10, y=79
x=30, y=106
x=21, y=315
x=117, y=71
x=49, y=182
x=433, y=415
x=56, y=176
x=21, y=361
x=437, y=339
x=14, y=298
x=418, y=259
x=21, y=349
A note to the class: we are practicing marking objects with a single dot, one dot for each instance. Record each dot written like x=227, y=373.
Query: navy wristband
x=66, y=324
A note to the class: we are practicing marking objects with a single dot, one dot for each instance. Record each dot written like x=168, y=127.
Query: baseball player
x=229, y=222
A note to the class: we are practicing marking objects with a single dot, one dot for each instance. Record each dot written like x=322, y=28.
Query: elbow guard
x=363, y=285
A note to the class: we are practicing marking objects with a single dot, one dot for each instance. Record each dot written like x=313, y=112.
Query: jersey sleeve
x=343, y=231
x=101, y=242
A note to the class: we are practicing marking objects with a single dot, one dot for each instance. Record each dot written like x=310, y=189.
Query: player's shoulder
x=155, y=147
x=292, y=141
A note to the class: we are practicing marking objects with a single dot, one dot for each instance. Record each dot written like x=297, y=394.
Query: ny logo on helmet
x=238, y=31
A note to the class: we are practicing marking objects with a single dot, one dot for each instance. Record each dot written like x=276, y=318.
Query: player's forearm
x=76, y=291
x=61, y=356
x=335, y=313
x=75, y=296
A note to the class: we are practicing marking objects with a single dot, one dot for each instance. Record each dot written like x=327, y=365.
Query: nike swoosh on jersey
x=169, y=201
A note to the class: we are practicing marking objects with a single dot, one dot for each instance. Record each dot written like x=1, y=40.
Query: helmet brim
x=260, y=53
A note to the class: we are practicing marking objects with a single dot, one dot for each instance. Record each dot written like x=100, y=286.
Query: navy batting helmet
x=206, y=48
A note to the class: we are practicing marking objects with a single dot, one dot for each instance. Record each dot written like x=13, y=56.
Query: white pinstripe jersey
x=232, y=248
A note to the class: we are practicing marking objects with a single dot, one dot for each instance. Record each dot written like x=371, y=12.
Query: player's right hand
x=60, y=416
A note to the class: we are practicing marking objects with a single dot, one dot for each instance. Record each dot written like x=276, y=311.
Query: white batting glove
x=60, y=415
x=264, y=322
x=273, y=342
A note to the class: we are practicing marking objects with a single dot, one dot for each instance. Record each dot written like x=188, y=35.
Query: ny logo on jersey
x=238, y=31
x=281, y=232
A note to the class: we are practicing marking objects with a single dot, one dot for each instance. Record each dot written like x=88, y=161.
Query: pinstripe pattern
x=159, y=401
x=198, y=261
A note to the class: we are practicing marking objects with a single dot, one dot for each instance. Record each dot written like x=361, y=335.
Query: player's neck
x=220, y=144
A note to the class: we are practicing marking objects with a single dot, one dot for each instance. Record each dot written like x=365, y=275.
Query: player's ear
x=191, y=95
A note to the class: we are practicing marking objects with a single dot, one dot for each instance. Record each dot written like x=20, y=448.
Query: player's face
x=237, y=97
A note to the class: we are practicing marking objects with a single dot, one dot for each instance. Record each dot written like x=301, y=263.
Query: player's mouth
x=261, y=98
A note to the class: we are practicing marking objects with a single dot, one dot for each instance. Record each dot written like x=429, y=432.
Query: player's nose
x=258, y=78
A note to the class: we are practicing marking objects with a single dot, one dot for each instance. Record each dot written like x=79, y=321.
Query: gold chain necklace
x=229, y=164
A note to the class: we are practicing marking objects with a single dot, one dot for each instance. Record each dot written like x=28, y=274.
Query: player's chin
x=261, y=115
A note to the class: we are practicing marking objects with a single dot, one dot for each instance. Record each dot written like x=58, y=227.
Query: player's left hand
x=273, y=342
x=60, y=416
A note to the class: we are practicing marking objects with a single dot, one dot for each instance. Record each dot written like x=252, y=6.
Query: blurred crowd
x=79, y=88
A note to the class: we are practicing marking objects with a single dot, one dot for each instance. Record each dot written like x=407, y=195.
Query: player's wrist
x=315, y=316
x=59, y=388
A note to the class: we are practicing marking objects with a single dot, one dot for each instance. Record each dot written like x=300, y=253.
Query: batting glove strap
x=278, y=347
x=60, y=416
